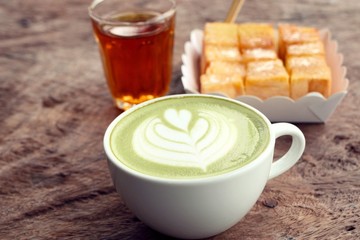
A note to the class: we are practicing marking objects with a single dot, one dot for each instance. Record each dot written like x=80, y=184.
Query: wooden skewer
x=234, y=10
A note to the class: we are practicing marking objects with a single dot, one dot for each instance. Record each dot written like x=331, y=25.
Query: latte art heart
x=179, y=138
x=179, y=119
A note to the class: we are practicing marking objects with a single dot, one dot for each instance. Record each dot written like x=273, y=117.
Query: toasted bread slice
x=221, y=34
x=226, y=68
x=305, y=61
x=311, y=78
x=305, y=49
x=231, y=85
x=258, y=54
x=256, y=35
x=219, y=53
x=265, y=79
x=290, y=34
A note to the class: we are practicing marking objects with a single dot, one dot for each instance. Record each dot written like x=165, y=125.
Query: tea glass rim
x=191, y=180
x=98, y=18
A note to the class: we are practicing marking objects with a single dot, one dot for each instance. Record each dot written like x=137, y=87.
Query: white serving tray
x=313, y=107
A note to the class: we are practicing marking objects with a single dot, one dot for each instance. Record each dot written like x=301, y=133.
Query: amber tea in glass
x=136, y=40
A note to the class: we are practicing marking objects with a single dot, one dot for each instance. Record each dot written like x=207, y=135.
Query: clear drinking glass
x=135, y=40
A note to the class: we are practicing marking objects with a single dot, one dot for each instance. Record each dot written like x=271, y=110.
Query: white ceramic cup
x=201, y=207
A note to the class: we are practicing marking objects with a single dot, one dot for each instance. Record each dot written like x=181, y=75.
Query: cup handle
x=293, y=154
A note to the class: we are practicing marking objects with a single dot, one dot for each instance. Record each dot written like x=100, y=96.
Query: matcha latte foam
x=189, y=137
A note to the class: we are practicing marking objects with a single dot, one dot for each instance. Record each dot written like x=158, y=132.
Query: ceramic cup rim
x=191, y=180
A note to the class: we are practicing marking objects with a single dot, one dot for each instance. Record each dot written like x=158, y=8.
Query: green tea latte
x=189, y=137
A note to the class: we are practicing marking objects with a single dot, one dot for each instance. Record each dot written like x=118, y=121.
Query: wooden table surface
x=55, y=107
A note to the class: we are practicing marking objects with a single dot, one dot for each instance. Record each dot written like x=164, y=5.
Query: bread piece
x=305, y=49
x=219, y=53
x=221, y=34
x=310, y=78
x=265, y=79
x=292, y=34
x=226, y=68
x=258, y=54
x=231, y=85
x=305, y=61
x=256, y=35
x=228, y=47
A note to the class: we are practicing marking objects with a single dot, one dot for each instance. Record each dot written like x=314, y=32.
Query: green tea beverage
x=189, y=137
x=194, y=160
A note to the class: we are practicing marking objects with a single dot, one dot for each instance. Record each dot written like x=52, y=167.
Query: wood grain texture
x=55, y=107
